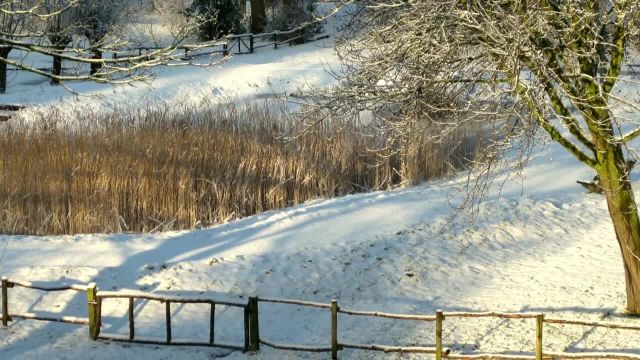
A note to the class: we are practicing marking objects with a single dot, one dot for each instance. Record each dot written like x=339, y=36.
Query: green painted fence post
x=439, y=318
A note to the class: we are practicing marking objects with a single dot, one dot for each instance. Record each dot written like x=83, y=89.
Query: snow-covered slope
x=541, y=246
x=266, y=72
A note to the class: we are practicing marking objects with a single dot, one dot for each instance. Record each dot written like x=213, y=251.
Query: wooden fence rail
x=7, y=111
x=252, y=338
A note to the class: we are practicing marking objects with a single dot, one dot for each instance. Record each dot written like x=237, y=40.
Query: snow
x=540, y=245
x=263, y=74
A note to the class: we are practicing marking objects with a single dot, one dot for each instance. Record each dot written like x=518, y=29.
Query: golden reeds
x=165, y=168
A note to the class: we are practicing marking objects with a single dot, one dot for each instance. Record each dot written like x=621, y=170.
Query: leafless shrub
x=515, y=68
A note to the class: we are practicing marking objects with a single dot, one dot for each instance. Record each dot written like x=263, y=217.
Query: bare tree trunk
x=57, y=67
x=4, y=53
x=95, y=67
x=258, y=16
x=614, y=179
x=243, y=8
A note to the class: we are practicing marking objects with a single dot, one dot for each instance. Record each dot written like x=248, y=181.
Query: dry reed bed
x=163, y=168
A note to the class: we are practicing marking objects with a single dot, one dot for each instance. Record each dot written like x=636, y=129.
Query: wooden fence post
x=254, y=327
x=92, y=304
x=251, y=40
x=168, y=320
x=439, y=318
x=225, y=49
x=212, y=324
x=132, y=328
x=539, y=322
x=334, y=329
x=5, y=301
x=247, y=334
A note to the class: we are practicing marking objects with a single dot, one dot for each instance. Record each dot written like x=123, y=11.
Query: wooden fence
x=239, y=44
x=7, y=111
x=252, y=338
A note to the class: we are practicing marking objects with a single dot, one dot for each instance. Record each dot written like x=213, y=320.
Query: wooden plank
x=212, y=323
x=92, y=306
x=493, y=357
x=139, y=340
x=5, y=301
x=393, y=349
x=388, y=315
x=61, y=319
x=596, y=355
x=254, y=326
x=610, y=325
x=168, y=320
x=334, y=329
x=8, y=107
x=295, y=302
x=539, y=322
x=51, y=287
x=439, y=318
x=246, y=329
x=295, y=347
x=132, y=329
x=501, y=315
x=124, y=294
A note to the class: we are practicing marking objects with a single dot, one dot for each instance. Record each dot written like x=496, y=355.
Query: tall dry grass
x=164, y=168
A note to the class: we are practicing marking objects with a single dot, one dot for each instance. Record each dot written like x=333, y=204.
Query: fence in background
x=239, y=44
x=252, y=338
x=7, y=111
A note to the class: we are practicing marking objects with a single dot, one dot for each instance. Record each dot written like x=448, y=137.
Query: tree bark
x=95, y=67
x=258, y=16
x=4, y=53
x=614, y=179
x=57, y=68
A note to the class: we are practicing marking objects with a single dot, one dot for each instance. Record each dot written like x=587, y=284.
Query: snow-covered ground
x=267, y=72
x=541, y=246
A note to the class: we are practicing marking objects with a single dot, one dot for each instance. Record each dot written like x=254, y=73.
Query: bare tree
x=14, y=24
x=27, y=23
x=99, y=18
x=513, y=66
x=61, y=25
x=258, y=16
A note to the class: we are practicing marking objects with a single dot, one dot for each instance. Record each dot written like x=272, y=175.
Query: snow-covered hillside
x=267, y=72
x=541, y=246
